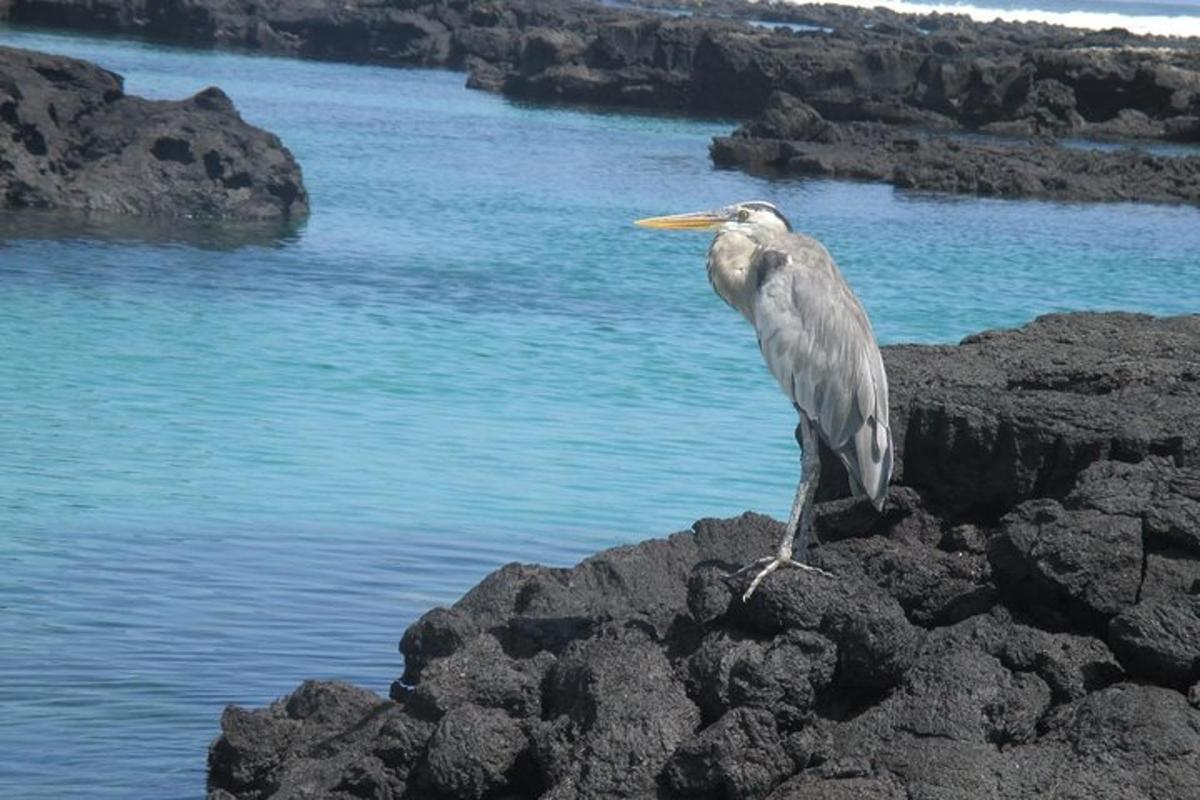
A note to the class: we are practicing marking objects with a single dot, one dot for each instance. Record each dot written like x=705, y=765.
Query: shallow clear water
x=234, y=460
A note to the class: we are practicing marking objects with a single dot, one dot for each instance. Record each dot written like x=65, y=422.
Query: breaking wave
x=1162, y=17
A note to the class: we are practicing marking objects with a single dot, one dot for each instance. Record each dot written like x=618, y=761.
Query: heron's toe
x=809, y=568
x=762, y=562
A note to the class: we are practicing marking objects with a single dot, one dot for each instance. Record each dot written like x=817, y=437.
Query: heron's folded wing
x=818, y=343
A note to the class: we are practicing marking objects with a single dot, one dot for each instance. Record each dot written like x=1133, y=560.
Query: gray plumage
x=816, y=340
x=819, y=345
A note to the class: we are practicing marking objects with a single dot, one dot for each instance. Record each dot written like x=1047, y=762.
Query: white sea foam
x=1181, y=25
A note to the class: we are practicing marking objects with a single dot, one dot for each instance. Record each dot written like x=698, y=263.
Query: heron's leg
x=800, y=519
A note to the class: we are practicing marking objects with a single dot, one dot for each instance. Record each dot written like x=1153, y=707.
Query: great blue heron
x=818, y=343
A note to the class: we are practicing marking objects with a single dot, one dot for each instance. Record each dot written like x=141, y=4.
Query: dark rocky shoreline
x=1021, y=622
x=73, y=140
x=936, y=72
x=792, y=138
x=872, y=64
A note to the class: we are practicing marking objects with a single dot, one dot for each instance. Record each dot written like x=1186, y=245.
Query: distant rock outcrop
x=861, y=64
x=792, y=138
x=1021, y=622
x=70, y=138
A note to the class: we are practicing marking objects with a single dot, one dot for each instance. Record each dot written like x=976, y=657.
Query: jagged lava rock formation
x=70, y=138
x=790, y=137
x=871, y=64
x=1021, y=622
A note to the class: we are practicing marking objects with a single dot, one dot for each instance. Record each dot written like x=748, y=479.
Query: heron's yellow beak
x=700, y=221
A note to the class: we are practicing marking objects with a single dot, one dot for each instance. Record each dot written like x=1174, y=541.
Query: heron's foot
x=769, y=565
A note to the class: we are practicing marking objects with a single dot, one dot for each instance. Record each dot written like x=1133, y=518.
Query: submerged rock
x=74, y=140
x=1021, y=621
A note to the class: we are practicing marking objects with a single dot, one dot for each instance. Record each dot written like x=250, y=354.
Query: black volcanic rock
x=862, y=64
x=472, y=751
x=783, y=675
x=932, y=586
x=874, y=640
x=615, y=712
x=743, y=754
x=70, y=138
x=1158, y=639
x=1022, y=618
x=791, y=138
x=289, y=742
x=1013, y=415
x=1045, y=555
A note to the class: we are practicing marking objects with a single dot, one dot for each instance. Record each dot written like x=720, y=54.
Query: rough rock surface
x=791, y=137
x=1021, y=621
x=70, y=138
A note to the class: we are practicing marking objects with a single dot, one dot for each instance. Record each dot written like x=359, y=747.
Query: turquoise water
x=236, y=459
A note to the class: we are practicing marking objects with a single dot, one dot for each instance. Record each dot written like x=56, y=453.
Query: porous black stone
x=71, y=139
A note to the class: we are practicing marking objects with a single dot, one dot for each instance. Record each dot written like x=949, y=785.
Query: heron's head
x=756, y=219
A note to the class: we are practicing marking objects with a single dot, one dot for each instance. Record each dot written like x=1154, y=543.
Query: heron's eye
x=743, y=215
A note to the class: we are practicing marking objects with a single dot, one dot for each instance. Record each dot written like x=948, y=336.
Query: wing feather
x=818, y=343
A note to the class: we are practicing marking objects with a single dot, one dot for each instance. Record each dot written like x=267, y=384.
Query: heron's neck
x=729, y=270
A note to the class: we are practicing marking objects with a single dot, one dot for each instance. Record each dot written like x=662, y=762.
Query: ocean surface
x=1166, y=17
x=233, y=459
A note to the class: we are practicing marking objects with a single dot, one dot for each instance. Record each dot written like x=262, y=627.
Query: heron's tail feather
x=885, y=470
x=869, y=460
